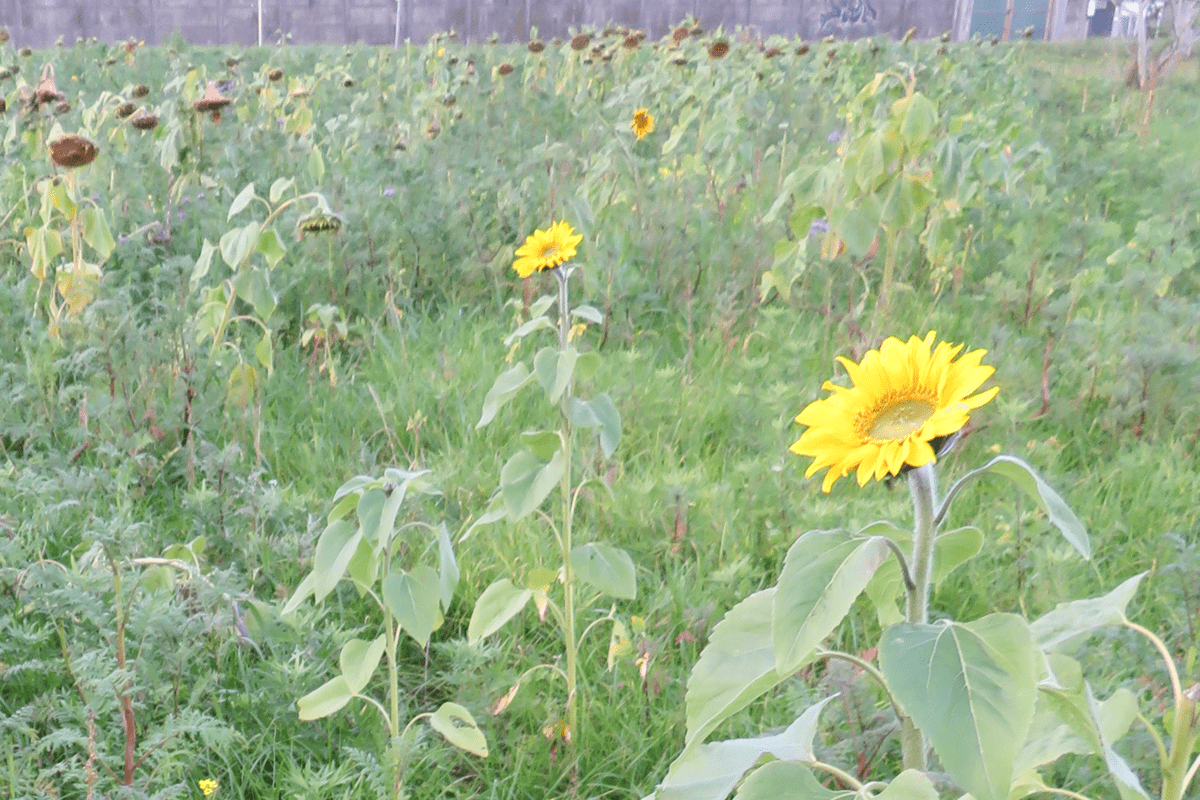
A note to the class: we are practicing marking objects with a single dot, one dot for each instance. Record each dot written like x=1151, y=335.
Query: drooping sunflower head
x=643, y=123
x=547, y=249
x=902, y=397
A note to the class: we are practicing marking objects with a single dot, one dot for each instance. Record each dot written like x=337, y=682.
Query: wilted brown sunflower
x=580, y=41
x=125, y=110
x=275, y=75
x=536, y=46
x=144, y=120
x=505, y=69
x=212, y=100
x=679, y=34
x=141, y=90
x=72, y=150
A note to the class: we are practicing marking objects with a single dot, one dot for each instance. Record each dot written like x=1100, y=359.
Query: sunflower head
x=642, y=124
x=902, y=397
x=547, y=249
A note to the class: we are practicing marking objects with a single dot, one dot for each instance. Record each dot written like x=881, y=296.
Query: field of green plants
x=308, y=494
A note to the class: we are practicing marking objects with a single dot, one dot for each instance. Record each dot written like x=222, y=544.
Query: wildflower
x=643, y=123
x=547, y=249
x=389, y=191
x=818, y=227
x=902, y=398
x=208, y=786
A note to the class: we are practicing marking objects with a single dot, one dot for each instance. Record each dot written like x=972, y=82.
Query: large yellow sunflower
x=546, y=249
x=643, y=123
x=904, y=395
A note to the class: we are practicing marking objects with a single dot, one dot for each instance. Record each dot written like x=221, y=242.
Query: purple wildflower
x=819, y=227
x=389, y=191
x=834, y=136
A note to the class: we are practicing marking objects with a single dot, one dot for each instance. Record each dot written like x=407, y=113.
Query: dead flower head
x=72, y=150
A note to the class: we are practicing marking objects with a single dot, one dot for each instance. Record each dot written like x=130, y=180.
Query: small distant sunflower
x=903, y=396
x=580, y=41
x=719, y=49
x=547, y=249
x=643, y=123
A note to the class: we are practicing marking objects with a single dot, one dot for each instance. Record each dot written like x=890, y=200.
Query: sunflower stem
x=564, y=341
x=922, y=486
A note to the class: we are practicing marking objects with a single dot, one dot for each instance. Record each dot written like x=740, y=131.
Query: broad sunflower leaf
x=824, y=572
x=610, y=420
x=710, y=771
x=335, y=548
x=499, y=603
x=413, y=597
x=735, y=667
x=527, y=478
x=971, y=688
x=507, y=384
x=241, y=201
x=607, y=568
x=1028, y=481
x=786, y=780
x=1069, y=623
x=329, y=698
x=96, y=232
x=449, y=573
x=459, y=728
x=358, y=661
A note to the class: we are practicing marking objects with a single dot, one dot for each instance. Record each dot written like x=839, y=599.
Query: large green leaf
x=1064, y=722
x=458, y=727
x=786, y=780
x=970, y=687
x=448, y=572
x=96, y=232
x=824, y=572
x=327, y=699
x=1023, y=477
x=526, y=479
x=609, y=569
x=710, y=771
x=238, y=243
x=335, y=548
x=499, y=603
x=736, y=666
x=507, y=385
x=241, y=201
x=1069, y=623
x=358, y=661
x=412, y=597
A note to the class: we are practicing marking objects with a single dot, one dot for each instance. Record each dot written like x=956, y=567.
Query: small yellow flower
x=643, y=123
x=208, y=786
x=441, y=52
x=904, y=396
x=547, y=249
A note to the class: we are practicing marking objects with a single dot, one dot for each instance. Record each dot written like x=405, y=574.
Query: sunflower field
x=482, y=420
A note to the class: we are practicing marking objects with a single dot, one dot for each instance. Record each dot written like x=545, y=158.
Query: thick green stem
x=564, y=332
x=922, y=486
x=393, y=679
x=1176, y=774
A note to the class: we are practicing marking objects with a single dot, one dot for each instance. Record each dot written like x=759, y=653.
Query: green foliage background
x=1069, y=252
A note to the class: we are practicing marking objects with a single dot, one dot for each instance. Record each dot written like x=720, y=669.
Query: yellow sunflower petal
x=901, y=397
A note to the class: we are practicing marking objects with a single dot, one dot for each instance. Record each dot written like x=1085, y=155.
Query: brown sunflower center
x=901, y=418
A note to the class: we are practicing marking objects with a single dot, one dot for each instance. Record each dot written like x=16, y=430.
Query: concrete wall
x=38, y=23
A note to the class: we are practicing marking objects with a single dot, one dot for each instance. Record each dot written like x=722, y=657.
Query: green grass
x=122, y=432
